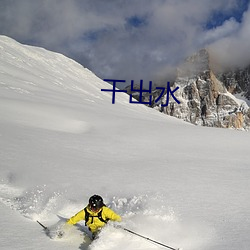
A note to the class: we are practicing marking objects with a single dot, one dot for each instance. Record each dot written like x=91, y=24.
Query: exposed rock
x=237, y=81
x=205, y=100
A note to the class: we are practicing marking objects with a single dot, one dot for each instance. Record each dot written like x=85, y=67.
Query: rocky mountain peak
x=196, y=64
x=206, y=97
x=206, y=94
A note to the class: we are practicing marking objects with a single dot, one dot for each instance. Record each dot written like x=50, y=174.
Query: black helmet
x=96, y=202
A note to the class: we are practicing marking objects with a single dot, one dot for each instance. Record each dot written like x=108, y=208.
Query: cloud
x=119, y=39
x=233, y=49
x=228, y=28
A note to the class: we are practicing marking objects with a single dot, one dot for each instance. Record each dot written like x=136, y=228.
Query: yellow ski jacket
x=94, y=223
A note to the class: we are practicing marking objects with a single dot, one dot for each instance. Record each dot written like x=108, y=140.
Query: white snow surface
x=62, y=140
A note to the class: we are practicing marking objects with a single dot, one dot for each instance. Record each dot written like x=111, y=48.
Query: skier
x=95, y=214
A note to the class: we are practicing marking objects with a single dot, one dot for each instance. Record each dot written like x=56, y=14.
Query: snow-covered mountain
x=207, y=97
x=62, y=140
x=237, y=81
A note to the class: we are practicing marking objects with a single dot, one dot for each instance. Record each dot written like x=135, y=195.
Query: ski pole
x=146, y=238
x=45, y=228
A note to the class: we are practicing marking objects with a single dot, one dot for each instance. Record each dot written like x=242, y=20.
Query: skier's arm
x=77, y=217
x=110, y=214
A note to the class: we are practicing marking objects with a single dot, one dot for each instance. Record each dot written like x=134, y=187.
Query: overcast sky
x=131, y=39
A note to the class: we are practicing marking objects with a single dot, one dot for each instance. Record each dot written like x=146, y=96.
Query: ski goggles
x=94, y=208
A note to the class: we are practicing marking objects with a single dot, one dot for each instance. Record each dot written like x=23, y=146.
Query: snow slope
x=62, y=140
